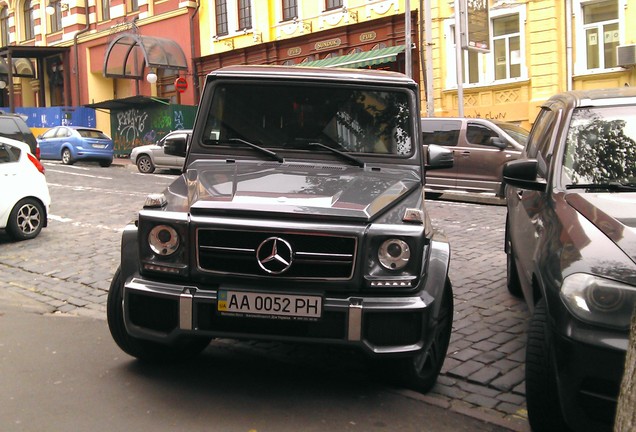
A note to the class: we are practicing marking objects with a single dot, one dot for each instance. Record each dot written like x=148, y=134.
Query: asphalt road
x=68, y=268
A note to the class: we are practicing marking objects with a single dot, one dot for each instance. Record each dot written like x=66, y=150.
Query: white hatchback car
x=25, y=199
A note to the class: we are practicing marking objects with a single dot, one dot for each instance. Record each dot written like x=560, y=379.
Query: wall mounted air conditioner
x=626, y=55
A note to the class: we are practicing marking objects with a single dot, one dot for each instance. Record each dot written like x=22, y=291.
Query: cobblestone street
x=70, y=265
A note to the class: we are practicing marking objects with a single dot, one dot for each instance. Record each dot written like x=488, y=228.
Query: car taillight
x=36, y=162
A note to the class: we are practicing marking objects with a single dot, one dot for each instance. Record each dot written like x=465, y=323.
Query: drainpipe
x=568, y=44
x=195, y=73
x=77, y=35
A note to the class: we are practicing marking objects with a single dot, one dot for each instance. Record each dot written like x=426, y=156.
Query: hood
x=309, y=189
x=612, y=213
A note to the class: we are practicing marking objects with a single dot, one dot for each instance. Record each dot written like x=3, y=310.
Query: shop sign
x=294, y=51
x=368, y=36
x=328, y=44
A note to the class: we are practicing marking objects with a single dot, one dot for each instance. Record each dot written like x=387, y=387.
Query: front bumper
x=162, y=312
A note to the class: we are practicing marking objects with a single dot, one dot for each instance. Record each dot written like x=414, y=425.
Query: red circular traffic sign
x=181, y=84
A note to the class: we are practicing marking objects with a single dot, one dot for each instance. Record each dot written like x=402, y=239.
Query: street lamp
x=151, y=77
x=3, y=84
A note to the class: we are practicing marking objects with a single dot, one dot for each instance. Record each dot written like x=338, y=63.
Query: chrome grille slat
x=233, y=252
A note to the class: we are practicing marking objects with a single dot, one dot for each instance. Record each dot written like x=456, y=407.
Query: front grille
x=234, y=252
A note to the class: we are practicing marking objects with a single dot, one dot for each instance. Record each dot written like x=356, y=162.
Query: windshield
x=91, y=133
x=297, y=117
x=601, y=147
x=518, y=133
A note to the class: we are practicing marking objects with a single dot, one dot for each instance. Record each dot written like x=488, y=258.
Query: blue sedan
x=71, y=144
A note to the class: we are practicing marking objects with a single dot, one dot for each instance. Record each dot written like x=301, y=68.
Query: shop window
x=29, y=25
x=597, y=34
x=221, y=17
x=290, y=10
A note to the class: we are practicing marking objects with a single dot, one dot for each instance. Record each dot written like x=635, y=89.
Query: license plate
x=268, y=305
x=99, y=146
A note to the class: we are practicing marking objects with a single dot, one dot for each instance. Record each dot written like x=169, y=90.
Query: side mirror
x=39, y=136
x=498, y=142
x=438, y=157
x=175, y=146
x=523, y=173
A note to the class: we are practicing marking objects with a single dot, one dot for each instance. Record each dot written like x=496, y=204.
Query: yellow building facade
x=536, y=47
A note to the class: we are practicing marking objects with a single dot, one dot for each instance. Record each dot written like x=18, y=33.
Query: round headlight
x=394, y=254
x=163, y=240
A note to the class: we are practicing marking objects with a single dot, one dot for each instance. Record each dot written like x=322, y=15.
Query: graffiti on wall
x=131, y=124
x=489, y=115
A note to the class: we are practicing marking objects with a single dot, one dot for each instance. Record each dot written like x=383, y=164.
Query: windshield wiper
x=609, y=186
x=343, y=155
x=263, y=150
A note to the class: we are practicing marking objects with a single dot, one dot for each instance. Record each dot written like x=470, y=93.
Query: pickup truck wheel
x=542, y=394
x=420, y=372
x=145, y=165
x=152, y=352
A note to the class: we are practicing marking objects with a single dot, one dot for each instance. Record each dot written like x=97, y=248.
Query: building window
x=29, y=25
x=599, y=34
x=244, y=14
x=4, y=26
x=105, y=9
x=134, y=5
x=290, y=10
x=506, y=47
x=333, y=4
x=56, y=18
x=221, y=18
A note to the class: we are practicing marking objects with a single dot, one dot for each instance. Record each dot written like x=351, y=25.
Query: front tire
x=420, y=372
x=26, y=219
x=542, y=393
x=67, y=157
x=185, y=348
x=145, y=165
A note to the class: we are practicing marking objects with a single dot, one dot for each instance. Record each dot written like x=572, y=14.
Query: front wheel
x=145, y=165
x=26, y=219
x=185, y=348
x=542, y=393
x=67, y=158
x=420, y=372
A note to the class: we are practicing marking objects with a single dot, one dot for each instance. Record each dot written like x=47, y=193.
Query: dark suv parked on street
x=299, y=216
x=571, y=248
x=480, y=149
x=14, y=126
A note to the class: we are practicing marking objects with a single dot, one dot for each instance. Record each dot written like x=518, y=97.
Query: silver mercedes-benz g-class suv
x=299, y=217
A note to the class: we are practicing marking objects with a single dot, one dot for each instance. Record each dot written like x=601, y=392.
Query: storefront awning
x=360, y=60
x=129, y=102
x=129, y=54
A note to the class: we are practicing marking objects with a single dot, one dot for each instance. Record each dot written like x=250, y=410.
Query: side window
x=10, y=129
x=62, y=133
x=540, y=139
x=479, y=134
x=49, y=133
x=8, y=153
x=445, y=133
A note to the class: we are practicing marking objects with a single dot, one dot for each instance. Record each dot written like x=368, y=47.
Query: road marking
x=100, y=190
x=78, y=174
x=84, y=224
x=67, y=166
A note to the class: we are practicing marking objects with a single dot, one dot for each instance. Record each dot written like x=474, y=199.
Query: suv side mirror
x=523, y=173
x=175, y=146
x=438, y=157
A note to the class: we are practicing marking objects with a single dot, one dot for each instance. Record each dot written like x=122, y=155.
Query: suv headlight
x=394, y=254
x=163, y=240
x=598, y=300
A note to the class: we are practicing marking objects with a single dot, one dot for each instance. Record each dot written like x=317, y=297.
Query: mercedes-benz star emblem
x=274, y=255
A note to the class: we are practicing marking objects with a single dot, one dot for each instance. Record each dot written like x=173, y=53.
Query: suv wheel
x=26, y=219
x=184, y=349
x=145, y=165
x=67, y=158
x=542, y=394
x=512, y=274
x=420, y=372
